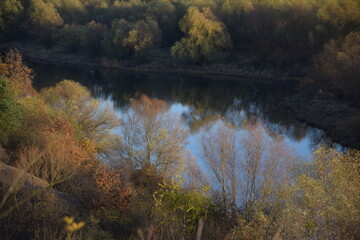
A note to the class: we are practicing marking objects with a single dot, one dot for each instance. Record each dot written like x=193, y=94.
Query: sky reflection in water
x=200, y=100
x=304, y=146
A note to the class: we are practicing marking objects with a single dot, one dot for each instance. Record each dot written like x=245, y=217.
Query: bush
x=133, y=39
x=10, y=110
x=206, y=36
x=44, y=20
x=92, y=38
x=338, y=67
x=72, y=36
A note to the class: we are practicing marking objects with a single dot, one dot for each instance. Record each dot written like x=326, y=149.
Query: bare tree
x=25, y=199
x=14, y=184
x=249, y=166
x=265, y=165
x=192, y=174
x=221, y=156
x=151, y=136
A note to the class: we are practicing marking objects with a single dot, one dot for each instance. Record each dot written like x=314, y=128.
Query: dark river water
x=199, y=99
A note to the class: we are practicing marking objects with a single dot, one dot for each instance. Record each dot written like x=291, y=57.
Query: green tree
x=167, y=16
x=92, y=38
x=297, y=33
x=44, y=14
x=205, y=36
x=342, y=15
x=135, y=38
x=72, y=36
x=10, y=13
x=179, y=210
x=199, y=3
x=72, y=11
x=233, y=15
x=44, y=19
x=10, y=110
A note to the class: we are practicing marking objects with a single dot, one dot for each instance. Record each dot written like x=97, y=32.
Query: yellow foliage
x=72, y=226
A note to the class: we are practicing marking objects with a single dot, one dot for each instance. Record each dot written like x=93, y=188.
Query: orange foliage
x=152, y=135
x=148, y=107
x=60, y=134
x=89, y=148
x=3, y=69
x=109, y=187
x=13, y=67
x=58, y=153
x=60, y=124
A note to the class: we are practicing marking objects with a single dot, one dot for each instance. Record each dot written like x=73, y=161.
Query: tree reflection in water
x=201, y=100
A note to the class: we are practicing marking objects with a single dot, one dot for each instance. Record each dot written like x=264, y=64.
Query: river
x=199, y=99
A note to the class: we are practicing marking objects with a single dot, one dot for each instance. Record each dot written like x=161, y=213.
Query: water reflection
x=201, y=100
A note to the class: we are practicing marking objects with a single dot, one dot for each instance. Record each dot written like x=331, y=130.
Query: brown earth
x=52, y=200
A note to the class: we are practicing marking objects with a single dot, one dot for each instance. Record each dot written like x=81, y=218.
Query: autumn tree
x=20, y=75
x=178, y=210
x=36, y=115
x=50, y=137
x=205, y=36
x=44, y=20
x=59, y=154
x=151, y=136
x=10, y=110
x=72, y=11
x=44, y=14
x=112, y=192
x=134, y=38
x=338, y=68
x=10, y=13
x=341, y=15
x=95, y=121
x=324, y=200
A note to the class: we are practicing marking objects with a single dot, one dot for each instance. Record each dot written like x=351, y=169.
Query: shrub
x=10, y=110
x=338, y=67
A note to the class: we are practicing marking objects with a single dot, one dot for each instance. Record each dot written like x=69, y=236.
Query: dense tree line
x=280, y=33
x=134, y=180
x=298, y=29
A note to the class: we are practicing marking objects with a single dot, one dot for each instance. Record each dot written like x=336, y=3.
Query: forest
x=318, y=39
x=71, y=168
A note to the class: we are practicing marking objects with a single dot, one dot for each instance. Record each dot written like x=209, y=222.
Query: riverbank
x=166, y=65
x=338, y=118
